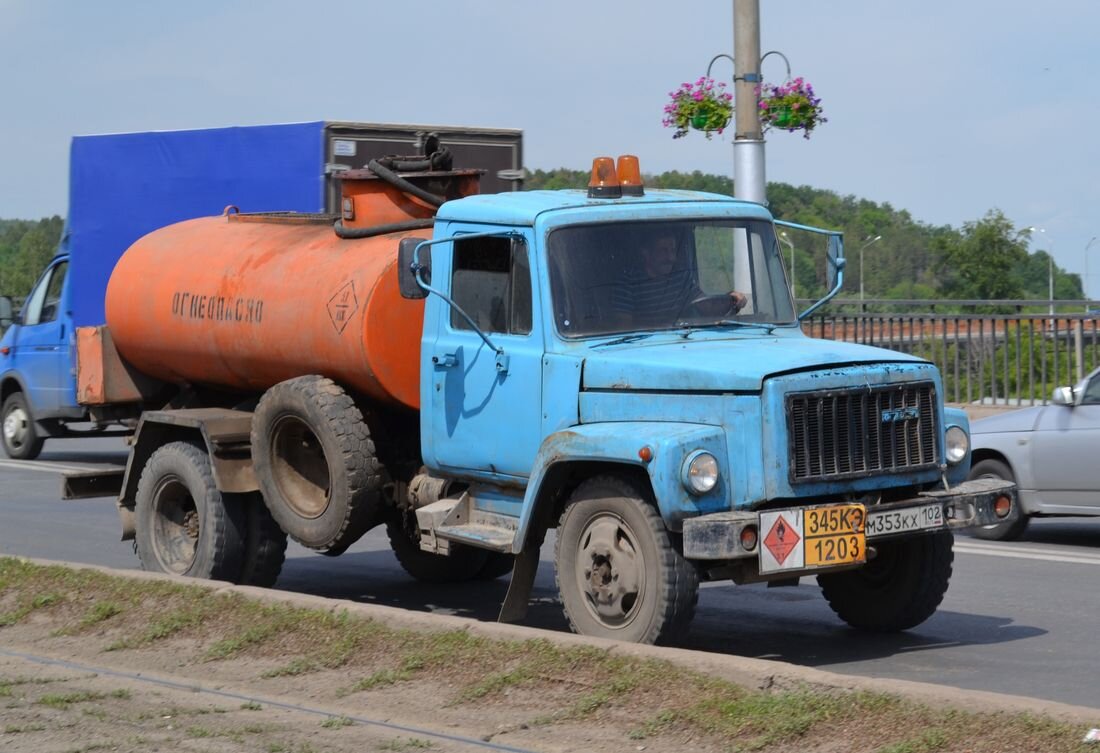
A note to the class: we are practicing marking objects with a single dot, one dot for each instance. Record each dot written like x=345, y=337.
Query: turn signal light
x=749, y=538
x=1002, y=507
x=604, y=183
x=630, y=175
x=5, y=350
x=646, y=454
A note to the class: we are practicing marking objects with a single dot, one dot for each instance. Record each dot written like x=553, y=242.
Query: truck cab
x=633, y=371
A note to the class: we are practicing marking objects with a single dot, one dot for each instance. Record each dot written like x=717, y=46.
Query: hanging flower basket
x=705, y=106
x=791, y=106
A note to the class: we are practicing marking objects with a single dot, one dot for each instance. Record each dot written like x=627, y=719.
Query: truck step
x=483, y=536
x=461, y=521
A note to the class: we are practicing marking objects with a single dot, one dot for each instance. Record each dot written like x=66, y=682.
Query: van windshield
x=628, y=277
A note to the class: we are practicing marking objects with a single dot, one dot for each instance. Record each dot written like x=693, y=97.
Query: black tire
x=265, y=543
x=20, y=436
x=184, y=526
x=316, y=463
x=899, y=589
x=462, y=564
x=610, y=534
x=497, y=564
x=993, y=468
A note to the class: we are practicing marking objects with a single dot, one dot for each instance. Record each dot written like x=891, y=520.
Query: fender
x=618, y=443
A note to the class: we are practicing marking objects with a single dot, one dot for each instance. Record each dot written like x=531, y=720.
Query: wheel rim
x=299, y=467
x=16, y=426
x=610, y=571
x=176, y=525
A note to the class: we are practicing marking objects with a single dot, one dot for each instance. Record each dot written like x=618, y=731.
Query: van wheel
x=899, y=589
x=993, y=468
x=462, y=564
x=184, y=525
x=316, y=464
x=21, y=440
x=618, y=573
x=265, y=542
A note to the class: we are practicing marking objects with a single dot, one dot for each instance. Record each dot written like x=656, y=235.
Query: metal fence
x=993, y=359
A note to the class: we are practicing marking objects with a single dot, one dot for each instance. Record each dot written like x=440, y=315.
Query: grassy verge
x=536, y=682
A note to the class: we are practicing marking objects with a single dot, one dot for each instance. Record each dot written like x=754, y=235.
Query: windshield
x=627, y=277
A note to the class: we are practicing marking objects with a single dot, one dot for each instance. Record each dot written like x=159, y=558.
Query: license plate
x=902, y=521
x=814, y=537
x=835, y=535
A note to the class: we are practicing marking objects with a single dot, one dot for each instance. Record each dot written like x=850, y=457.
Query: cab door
x=41, y=346
x=486, y=413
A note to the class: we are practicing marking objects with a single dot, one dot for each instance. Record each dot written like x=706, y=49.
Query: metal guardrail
x=992, y=359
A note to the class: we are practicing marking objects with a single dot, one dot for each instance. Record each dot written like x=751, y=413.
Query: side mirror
x=1063, y=396
x=7, y=312
x=406, y=276
x=834, y=262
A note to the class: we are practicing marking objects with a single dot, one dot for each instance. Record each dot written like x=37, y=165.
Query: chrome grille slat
x=838, y=434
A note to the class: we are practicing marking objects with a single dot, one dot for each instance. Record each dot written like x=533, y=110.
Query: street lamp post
x=865, y=245
x=786, y=239
x=1086, y=285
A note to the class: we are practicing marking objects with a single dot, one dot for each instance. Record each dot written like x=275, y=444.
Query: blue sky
x=943, y=108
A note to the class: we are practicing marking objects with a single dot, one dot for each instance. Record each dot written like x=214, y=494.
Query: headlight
x=958, y=444
x=700, y=472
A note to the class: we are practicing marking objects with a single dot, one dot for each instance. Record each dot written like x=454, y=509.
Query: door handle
x=445, y=361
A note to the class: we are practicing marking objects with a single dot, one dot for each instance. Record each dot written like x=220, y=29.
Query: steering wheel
x=732, y=308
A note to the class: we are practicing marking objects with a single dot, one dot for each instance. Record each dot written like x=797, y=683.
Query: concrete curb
x=757, y=674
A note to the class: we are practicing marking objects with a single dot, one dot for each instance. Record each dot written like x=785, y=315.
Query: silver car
x=1052, y=452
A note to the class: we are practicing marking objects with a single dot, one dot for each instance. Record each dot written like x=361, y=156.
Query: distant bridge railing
x=990, y=358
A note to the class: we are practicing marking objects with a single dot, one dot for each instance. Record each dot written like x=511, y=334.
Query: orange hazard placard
x=781, y=540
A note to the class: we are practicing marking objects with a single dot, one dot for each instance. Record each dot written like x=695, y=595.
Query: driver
x=663, y=288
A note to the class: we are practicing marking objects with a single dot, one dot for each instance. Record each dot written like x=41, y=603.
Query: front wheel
x=1013, y=529
x=618, y=573
x=21, y=439
x=897, y=590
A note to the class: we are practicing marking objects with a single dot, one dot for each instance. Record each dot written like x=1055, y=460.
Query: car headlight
x=700, y=472
x=958, y=444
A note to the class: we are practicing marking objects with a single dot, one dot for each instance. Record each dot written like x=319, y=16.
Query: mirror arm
x=840, y=264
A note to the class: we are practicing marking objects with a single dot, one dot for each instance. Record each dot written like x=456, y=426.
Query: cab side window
x=45, y=300
x=492, y=283
x=1092, y=391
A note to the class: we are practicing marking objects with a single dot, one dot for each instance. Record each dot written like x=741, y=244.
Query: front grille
x=840, y=434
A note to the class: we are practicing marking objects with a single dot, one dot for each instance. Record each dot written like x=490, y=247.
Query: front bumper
x=968, y=505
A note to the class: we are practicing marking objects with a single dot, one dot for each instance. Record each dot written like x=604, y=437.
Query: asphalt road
x=1019, y=617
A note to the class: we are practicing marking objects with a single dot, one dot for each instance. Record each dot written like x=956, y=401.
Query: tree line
x=985, y=258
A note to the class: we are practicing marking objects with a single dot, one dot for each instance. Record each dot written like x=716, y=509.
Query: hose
x=398, y=182
x=355, y=233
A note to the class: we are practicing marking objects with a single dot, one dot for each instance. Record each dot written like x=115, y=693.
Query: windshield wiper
x=625, y=339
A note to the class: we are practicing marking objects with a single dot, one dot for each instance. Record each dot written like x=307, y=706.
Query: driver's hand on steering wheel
x=739, y=300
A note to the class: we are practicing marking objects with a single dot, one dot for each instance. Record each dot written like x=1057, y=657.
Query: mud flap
x=515, y=604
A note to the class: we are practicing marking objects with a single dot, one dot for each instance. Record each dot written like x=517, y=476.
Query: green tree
x=982, y=260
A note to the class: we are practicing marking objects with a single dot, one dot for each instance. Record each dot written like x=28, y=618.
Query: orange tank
x=247, y=301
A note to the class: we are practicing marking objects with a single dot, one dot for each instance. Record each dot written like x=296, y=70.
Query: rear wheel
x=618, y=573
x=21, y=439
x=497, y=564
x=184, y=525
x=898, y=589
x=995, y=469
x=316, y=464
x=265, y=543
x=462, y=564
